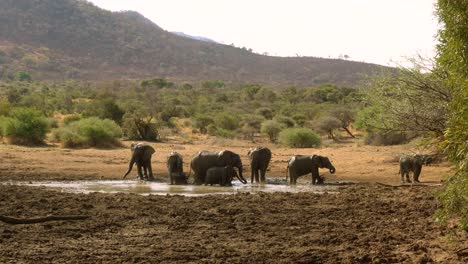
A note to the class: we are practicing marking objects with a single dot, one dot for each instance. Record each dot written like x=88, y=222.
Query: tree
x=414, y=99
x=452, y=61
x=202, y=122
x=272, y=129
x=328, y=124
x=345, y=116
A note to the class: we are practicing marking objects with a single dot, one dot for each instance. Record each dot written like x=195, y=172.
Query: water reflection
x=146, y=188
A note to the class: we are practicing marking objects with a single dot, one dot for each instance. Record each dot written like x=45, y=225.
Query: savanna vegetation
x=140, y=110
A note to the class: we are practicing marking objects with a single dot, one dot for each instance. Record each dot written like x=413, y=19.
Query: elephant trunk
x=332, y=170
x=240, y=177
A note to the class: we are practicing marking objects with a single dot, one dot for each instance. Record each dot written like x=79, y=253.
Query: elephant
x=204, y=160
x=141, y=155
x=412, y=163
x=175, y=168
x=300, y=165
x=220, y=175
x=259, y=160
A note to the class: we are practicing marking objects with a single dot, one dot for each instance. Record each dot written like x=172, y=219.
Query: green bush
x=220, y=132
x=272, y=129
x=3, y=121
x=71, y=118
x=226, y=121
x=25, y=126
x=285, y=120
x=299, y=138
x=89, y=132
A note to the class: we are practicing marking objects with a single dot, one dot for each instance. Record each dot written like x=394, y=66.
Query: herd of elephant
x=220, y=167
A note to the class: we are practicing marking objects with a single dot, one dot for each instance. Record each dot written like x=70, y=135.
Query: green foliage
x=3, y=121
x=226, y=121
x=266, y=112
x=105, y=108
x=156, y=83
x=5, y=108
x=71, y=118
x=25, y=126
x=89, y=132
x=452, y=60
x=272, y=129
x=327, y=124
x=285, y=121
x=23, y=77
x=202, y=122
x=224, y=133
x=213, y=84
x=299, y=138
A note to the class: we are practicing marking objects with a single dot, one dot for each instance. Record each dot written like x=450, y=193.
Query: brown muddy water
x=158, y=188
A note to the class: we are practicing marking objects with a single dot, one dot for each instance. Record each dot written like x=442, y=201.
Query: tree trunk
x=349, y=132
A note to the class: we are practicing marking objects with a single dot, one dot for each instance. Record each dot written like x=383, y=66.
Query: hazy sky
x=376, y=31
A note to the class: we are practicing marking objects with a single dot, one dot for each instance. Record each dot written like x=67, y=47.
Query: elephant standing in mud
x=141, y=155
x=204, y=160
x=259, y=160
x=175, y=168
x=412, y=163
x=300, y=165
x=220, y=175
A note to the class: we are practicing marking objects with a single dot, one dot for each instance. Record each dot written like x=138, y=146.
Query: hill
x=74, y=39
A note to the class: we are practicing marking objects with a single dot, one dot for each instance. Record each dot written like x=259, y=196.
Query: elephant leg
x=407, y=177
x=140, y=173
x=252, y=171
x=262, y=175
x=257, y=179
x=416, y=173
x=150, y=170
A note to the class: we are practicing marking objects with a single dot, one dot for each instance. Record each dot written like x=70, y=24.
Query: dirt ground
x=361, y=223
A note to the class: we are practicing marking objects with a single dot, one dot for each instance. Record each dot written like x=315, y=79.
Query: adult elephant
x=413, y=163
x=301, y=165
x=175, y=168
x=141, y=155
x=204, y=160
x=259, y=160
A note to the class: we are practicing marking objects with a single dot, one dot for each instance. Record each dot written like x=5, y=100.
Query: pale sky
x=375, y=31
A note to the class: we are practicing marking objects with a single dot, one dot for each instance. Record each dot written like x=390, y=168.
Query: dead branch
x=24, y=221
x=461, y=250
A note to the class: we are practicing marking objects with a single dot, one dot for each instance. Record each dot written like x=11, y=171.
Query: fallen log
x=25, y=221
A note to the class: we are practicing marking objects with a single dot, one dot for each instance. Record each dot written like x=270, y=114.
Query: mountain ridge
x=76, y=39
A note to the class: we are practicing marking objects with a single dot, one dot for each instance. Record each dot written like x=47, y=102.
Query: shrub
x=386, y=139
x=71, y=118
x=89, y=132
x=285, y=120
x=226, y=121
x=220, y=132
x=271, y=128
x=26, y=126
x=201, y=122
x=3, y=121
x=299, y=138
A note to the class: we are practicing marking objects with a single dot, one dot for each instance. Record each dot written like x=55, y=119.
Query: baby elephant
x=175, y=168
x=220, y=175
x=412, y=163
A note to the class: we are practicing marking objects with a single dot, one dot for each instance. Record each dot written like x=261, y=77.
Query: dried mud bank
x=360, y=224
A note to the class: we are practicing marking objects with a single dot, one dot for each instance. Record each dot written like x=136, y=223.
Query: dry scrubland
x=361, y=223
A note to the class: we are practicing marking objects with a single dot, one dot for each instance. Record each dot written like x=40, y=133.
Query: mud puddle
x=158, y=188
